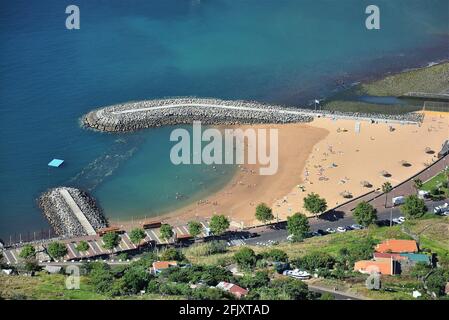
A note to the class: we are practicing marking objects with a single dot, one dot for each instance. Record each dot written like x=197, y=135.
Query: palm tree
x=386, y=188
x=417, y=183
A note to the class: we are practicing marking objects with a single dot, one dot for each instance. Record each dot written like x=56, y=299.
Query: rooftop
x=397, y=246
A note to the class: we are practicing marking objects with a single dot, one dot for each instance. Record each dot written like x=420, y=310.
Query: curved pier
x=154, y=113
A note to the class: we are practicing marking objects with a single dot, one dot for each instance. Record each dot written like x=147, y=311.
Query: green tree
x=420, y=270
x=166, y=231
x=417, y=183
x=314, y=204
x=327, y=296
x=285, y=289
x=275, y=255
x=195, y=228
x=219, y=224
x=365, y=214
x=135, y=279
x=316, y=260
x=57, y=250
x=101, y=278
x=298, y=226
x=28, y=251
x=171, y=254
x=264, y=213
x=111, y=240
x=413, y=207
x=386, y=188
x=82, y=246
x=137, y=235
x=436, y=281
x=246, y=258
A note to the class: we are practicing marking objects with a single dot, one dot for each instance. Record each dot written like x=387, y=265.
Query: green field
x=430, y=79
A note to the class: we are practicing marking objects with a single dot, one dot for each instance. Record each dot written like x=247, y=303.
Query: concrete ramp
x=77, y=212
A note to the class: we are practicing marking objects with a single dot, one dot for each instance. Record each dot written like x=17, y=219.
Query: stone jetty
x=62, y=216
x=137, y=115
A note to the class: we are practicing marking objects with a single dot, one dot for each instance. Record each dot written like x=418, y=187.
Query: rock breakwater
x=61, y=216
x=137, y=115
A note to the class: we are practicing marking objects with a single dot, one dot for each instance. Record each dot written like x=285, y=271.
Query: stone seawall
x=154, y=113
x=61, y=216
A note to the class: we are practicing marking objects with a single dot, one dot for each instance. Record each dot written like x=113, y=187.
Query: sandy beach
x=327, y=157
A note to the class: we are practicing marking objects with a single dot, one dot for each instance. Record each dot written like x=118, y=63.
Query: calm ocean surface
x=283, y=51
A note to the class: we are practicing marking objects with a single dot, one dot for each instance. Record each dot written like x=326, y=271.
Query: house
x=158, y=266
x=396, y=256
x=414, y=258
x=385, y=266
x=397, y=246
x=234, y=289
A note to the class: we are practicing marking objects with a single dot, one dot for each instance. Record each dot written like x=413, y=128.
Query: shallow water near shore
x=285, y=52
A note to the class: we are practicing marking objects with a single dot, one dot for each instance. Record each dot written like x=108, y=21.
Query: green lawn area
x=52, y=287
x=430, y=79
x=435, y=181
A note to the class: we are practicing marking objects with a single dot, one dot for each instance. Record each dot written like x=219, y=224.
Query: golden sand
x=327, y=157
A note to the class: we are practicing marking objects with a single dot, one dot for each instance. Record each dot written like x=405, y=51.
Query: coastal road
x=255, y=109
x=280, y=233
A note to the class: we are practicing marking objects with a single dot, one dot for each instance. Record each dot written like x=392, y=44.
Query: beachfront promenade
x=154, y=113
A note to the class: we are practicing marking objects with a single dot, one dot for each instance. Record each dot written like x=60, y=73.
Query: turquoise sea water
x=283, y=51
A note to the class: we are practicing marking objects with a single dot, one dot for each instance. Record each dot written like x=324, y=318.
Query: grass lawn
x=436, y=181
x=431, y=79
x=44, y=286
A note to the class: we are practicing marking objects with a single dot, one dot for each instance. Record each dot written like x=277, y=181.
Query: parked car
x=315, y=234
x=330, y=230
x=341, y=229
x=297, y=274
x=399, y=220
x=321, y=232
x=398, y=200
x=441, y=209
x=356, y=226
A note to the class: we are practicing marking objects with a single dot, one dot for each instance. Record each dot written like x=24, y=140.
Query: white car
x=402, y=219
x=330, y=230
x=297, y=274
x=356, y=226
x=341, y=229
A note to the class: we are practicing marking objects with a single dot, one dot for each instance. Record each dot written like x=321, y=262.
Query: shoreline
x=239, y=197
x=336, y=159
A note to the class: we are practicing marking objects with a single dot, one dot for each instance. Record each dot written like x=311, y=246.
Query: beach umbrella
x=365, y=184
x=429, y=150
x=385, y=173
x=405, y=163
x=346, y=194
